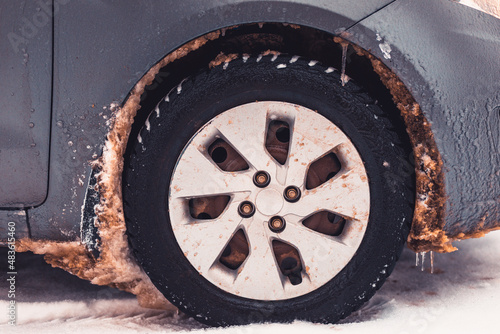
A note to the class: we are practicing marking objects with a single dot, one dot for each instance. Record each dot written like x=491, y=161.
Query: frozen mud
x=465, y=286
x=115, y=266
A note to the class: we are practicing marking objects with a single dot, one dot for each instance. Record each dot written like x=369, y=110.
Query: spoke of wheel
x=206, y=240
x=196, y=176
x=245, y=130
x=353, y=232
x=322, y=256
x=312, y=137
x=260, y=271
x=346, y=194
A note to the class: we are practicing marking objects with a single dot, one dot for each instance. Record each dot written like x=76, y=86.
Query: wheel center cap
x=269, y=201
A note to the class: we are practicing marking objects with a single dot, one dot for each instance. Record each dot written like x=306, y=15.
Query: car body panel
x=16, y=220
x=452, y=68
x=101, y=50
x=25, y=103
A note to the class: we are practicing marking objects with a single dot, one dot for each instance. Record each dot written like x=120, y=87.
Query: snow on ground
x=462, y=296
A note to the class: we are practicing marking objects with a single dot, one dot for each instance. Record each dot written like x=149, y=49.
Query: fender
x=94, y=72
x=463, y=107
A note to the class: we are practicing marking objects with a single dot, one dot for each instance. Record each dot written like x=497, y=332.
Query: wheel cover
x=260, y=276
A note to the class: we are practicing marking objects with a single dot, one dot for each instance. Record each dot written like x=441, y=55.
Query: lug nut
x=246, y=209
x=277, y=224
x=261, y=179
x=292, y=194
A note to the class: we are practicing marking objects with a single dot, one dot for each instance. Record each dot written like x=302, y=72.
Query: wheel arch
x=368, y=70
x=443, y=53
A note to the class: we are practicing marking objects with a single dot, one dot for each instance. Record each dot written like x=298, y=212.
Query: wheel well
x=256, y=38
x=190, y=58
x=408, y=121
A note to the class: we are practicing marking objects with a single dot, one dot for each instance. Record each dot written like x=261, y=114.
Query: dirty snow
x=460, y=297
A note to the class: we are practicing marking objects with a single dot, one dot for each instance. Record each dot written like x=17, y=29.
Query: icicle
x=432, y=262
x=423, y=259
x=416, y=260
x=343, y=77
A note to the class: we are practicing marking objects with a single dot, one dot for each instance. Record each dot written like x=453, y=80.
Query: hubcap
x=269, y=202
x=305, y=182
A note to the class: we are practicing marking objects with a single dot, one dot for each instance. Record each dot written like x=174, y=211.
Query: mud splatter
x=222, y=58
x=427, y=227
x=427, y=231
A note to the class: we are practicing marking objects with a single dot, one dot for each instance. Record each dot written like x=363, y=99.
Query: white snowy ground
x=462, y=296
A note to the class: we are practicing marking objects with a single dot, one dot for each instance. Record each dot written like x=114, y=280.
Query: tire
x=174, y=201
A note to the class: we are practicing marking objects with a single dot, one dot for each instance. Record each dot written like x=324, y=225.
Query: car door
x=25, y=101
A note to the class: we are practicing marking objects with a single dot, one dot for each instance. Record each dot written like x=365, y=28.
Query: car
x=248, y=161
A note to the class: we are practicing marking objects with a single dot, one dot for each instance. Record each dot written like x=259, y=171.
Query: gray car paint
x=17, y=220
x=25, y=103
x=451, y=64
x=102, y=48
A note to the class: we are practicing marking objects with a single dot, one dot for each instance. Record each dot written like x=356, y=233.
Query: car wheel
x=264, y=190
